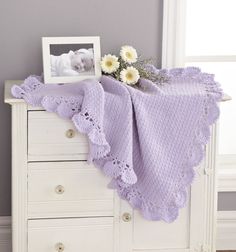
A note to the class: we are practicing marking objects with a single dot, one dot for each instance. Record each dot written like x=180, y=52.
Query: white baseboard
x=226, y=231
x=5, y=234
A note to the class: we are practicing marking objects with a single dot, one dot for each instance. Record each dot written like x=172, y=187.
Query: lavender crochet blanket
x=148, y=141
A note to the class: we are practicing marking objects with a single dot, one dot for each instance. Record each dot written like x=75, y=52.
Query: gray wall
x=227, y=201
x=23, y=23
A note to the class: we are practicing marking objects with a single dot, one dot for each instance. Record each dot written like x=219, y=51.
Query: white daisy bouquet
x=128, y=68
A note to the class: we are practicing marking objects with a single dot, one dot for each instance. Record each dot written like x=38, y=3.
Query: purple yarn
x=148, y=141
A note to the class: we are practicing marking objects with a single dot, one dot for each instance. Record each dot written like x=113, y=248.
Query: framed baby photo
x=70, y=59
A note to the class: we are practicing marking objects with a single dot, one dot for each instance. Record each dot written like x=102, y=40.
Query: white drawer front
x=53, y=138
x=72, y=235
x=68, y=189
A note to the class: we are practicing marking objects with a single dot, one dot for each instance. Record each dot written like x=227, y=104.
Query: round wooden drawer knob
x=70, y=133
x=59, y=247
x=60, y=189
x=126, y=217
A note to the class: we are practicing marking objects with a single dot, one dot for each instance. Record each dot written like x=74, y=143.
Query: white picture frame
x=57, y=53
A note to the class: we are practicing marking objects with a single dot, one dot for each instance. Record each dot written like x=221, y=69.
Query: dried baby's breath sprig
x=149, y=72
x=161, y=78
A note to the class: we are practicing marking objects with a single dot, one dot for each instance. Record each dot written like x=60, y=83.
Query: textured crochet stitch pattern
x=148, y=140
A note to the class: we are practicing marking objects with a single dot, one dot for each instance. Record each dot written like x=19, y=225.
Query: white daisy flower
x=128, y=54
x=130, y=75
x=109, y=63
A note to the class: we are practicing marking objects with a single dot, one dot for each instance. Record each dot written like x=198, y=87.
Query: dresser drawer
x=68, y=189
x=53, y=138
x=71, y=235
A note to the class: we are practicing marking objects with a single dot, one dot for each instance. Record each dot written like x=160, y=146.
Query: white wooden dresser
x=60, y=203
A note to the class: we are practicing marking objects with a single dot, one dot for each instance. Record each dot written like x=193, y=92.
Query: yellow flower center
x=108, y=63
x=128, y=55
x=129, y=76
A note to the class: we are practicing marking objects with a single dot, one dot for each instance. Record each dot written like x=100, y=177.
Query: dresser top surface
x=8, y=98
